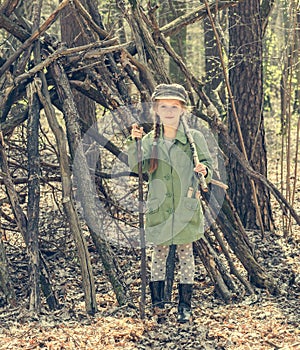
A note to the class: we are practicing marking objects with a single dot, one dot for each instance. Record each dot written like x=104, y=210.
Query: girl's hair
x=190, y=139
x=154, y=154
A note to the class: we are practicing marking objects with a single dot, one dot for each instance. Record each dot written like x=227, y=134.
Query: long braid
x=154, y=154
x=191, y=141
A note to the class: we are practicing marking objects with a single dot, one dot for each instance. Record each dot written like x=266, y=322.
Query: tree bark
x=246, y=82
x=74, y=34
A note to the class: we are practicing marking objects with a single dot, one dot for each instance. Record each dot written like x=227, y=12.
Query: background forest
x=74, y=76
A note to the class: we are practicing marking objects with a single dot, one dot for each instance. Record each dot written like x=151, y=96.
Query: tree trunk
x=171, y=10
x=214, y=85
x=74, y=34
x=246, y=81
x=5, y=283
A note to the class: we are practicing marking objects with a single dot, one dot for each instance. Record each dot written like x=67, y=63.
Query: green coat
x=171, y=216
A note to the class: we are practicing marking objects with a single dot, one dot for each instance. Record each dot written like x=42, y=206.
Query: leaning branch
x=33, y=37
x=67, y=200
x=83, y=180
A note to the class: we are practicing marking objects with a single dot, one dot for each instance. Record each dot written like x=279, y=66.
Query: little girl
x=173, y=211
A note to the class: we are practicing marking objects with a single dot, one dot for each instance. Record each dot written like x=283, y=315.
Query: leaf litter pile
x=259, y=321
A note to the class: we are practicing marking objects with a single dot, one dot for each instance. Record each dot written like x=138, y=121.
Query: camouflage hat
x=170, y=92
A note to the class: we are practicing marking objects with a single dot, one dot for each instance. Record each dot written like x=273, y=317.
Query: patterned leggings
x=186, y=260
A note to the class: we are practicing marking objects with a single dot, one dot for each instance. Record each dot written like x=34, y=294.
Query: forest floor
x=260, y=321
x=251, y=322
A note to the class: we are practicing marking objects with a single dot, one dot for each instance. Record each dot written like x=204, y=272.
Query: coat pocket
x=189, y=212
x=190, y=203
x=152, y=206
x=154, y=212
x=187, y=218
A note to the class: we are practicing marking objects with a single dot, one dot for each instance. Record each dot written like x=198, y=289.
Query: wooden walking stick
x=142, y=231
x=200, y=176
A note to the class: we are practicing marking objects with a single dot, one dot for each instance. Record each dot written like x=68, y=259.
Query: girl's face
x=169, y=111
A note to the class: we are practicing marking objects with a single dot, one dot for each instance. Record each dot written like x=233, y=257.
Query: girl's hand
x=136, y=132
x=201, y=168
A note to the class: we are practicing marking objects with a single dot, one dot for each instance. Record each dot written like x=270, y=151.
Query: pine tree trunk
x=246, y=81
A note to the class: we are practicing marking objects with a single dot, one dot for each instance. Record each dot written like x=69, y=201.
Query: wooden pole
x=142, y=231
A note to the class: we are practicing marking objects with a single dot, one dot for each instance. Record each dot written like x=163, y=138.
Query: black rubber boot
x=185, y=300
x=157, y=289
